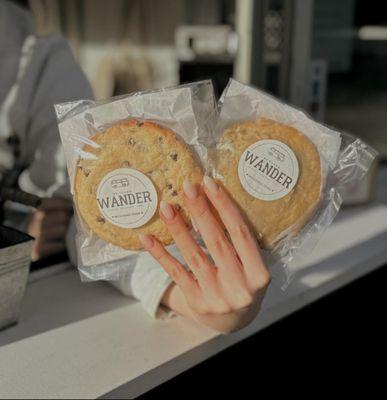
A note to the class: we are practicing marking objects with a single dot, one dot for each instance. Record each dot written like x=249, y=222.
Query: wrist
x=174, y=299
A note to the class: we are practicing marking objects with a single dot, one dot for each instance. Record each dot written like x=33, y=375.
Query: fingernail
x=146, y=240
x=190, y=190
x=167, y=210
x=210, y=184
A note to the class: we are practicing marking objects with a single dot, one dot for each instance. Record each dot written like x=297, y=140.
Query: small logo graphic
x=119, y=183
x=276, y=154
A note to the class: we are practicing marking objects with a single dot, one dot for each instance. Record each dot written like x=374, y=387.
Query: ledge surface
x=77, y=340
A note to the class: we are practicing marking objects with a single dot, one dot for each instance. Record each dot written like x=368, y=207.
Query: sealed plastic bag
x=283, y=169
x=124, y=156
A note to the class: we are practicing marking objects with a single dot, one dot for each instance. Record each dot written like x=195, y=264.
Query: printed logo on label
x=268, y=169
x=127, y=198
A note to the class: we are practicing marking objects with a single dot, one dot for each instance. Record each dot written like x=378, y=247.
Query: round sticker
x=127, y=198
x=268, y=169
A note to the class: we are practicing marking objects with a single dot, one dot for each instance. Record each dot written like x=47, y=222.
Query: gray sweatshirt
x=51, y=76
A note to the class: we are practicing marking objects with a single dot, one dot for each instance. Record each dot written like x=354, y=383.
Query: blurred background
x=328, y=57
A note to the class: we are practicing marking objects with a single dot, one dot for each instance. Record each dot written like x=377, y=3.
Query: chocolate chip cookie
x=123, y=174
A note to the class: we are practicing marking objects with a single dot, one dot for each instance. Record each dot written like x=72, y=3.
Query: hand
x=226, y=293
x=48, y=225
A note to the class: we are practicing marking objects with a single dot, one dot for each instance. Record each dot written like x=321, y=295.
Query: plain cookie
x=271, y=220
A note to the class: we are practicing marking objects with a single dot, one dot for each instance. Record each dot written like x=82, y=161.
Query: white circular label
x=268, y=169
x=127, y=198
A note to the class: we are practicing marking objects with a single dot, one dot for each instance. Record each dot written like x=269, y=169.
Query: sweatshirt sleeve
x=147, y=282
x=141, y=278
x=53, y=76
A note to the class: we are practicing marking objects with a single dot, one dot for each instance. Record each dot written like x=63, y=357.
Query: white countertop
x=77, y=340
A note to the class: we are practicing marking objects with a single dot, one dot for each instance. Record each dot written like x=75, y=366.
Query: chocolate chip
x=161, y=140
x=86, y=172
x=173, y=156
x=101, y=219
x=126, y=164
x=169, y=186
x=131, y=141
x=174, y=193
x=139, y=123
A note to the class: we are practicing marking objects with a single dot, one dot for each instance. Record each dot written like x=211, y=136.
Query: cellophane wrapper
x=344, y=158
x=188, y=110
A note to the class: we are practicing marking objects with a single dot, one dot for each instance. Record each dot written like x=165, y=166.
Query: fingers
x=48, y=241
x=216, y=290
x=245, y=244
x=51, y=218
x=212, y=233
x=49, y=249
x=48, y=226
x=53, y=233
x=189, y=249
x=194, y=256
x=56, y=203
x=45, y=249
x=172, y=267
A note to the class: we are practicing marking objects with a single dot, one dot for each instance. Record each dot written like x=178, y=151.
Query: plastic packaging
x=343, y=159
x=188, y=110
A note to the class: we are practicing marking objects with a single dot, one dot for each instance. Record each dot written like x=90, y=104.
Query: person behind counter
x=35, y=73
